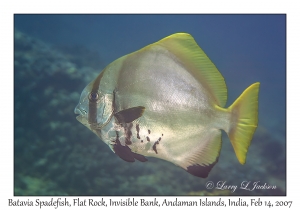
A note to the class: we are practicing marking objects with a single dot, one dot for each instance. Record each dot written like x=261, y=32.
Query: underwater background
x=56, y=56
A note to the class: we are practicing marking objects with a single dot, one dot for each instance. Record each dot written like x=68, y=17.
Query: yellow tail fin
x=244, y=118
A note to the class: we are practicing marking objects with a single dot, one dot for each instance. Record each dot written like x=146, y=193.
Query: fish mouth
x=80, y=112
x=82, y=116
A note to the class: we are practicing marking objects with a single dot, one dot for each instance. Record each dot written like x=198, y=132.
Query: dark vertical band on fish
x=93, y=104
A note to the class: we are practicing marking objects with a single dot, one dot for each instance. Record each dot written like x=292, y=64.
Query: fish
x=167, y=101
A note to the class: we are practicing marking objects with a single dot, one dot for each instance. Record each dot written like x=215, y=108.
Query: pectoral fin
x=129, y=115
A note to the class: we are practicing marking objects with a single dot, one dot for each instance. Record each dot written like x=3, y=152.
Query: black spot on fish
x=148, y=139
x=154, y=146
x=159, y=139
x=149, y=131
x=125, y=153
x=142, y=141
x=128, y=133
x=162, y=134
x=137, y=127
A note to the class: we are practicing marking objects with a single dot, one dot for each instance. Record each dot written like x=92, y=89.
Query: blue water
x=245, y=49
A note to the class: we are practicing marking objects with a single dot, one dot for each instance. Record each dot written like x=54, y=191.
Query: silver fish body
x=156, y=102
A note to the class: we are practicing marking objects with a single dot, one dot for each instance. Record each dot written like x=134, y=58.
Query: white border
x=8, y=8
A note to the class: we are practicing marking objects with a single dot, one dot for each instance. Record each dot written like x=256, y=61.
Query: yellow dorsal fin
x=184, y=47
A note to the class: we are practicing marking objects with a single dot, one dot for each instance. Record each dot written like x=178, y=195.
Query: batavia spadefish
x=167, y=100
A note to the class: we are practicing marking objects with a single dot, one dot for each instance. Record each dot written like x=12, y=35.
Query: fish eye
x=93, y=96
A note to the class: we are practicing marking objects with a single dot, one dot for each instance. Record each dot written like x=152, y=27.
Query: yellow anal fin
x=244, y=119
